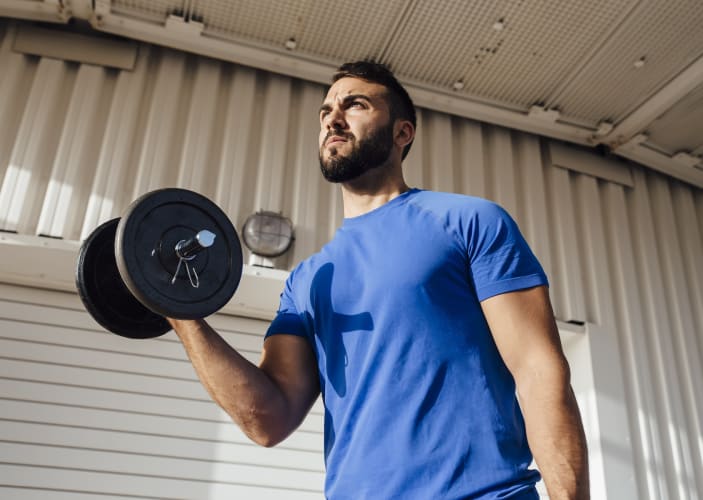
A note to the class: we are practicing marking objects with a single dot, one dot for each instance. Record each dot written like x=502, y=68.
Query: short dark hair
x=399, y=102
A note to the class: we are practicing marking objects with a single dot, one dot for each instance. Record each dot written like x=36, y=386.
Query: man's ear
x=403, y=133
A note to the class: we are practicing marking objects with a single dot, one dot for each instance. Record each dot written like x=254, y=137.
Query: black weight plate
x=105, y=295
x=145, y=250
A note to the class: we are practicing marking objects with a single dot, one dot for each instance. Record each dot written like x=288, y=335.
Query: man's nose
x=335, y=119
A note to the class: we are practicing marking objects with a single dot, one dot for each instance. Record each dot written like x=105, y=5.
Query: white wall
x=622, y=245
x=88, y=414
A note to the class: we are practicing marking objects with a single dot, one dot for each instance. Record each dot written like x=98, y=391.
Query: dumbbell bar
x=173, y=253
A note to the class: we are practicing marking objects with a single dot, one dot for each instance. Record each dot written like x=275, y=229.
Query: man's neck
x=371, y=191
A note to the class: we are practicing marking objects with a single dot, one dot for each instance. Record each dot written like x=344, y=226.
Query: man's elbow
x=551, y=375
x=262, y=429
x=266, y=440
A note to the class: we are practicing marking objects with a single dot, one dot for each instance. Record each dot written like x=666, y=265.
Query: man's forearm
x=557, y=439
x=242, y=389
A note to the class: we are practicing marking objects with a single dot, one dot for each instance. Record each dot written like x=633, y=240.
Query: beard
x=369, y=153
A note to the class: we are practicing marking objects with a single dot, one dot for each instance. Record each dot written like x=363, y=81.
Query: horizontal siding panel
x=150, y=404
x=34, y=493
x=155, y=425
x=251, y=331
x=139, y=486
x=42, y=369
x=78, y=449
x=88, y=361
x=84, y=402
x=157, y=356
x=76, y=377
x=72, y=318
x=73, y=328
x=111, y=362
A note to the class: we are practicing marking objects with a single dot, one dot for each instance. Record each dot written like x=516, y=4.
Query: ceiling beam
x=637, y=150
x=638, y=121
x=51, y=11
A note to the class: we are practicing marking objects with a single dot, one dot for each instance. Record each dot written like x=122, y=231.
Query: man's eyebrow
x=346, y=100
x=353, y=97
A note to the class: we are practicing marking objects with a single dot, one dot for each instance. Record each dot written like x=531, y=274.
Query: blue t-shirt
x=418, y=402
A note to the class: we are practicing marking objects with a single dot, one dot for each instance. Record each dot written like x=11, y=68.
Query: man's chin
x=337, y=173
x=337, y=177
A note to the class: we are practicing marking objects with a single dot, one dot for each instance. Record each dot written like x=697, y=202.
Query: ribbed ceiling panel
x=514, y=52
x=321, y=29
x=611, y=86
x=330, y=31
x=267, y=21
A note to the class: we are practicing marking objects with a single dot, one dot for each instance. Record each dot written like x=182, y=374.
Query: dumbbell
x=173, y=253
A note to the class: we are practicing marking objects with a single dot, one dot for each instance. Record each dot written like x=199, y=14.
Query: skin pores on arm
x=269, y=401
x=525, y=332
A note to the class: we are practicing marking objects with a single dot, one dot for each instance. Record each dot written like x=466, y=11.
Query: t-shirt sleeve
x=499, y=257
x=288, y=320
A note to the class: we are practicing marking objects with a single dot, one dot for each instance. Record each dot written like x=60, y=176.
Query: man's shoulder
x=443, y=202
x=449, y=199
x=306, y=269
x=306, y=265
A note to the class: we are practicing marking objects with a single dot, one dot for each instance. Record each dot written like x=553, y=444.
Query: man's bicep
x=524, y=330
x=290, y=362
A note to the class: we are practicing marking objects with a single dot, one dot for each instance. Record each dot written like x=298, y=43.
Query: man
x=417, y=323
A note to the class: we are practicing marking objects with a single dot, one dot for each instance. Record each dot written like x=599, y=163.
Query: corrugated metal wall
x=78, y=142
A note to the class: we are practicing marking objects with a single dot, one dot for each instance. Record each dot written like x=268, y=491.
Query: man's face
x=356, y=132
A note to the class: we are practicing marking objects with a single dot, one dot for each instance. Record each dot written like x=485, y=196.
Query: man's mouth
x=335, y=138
